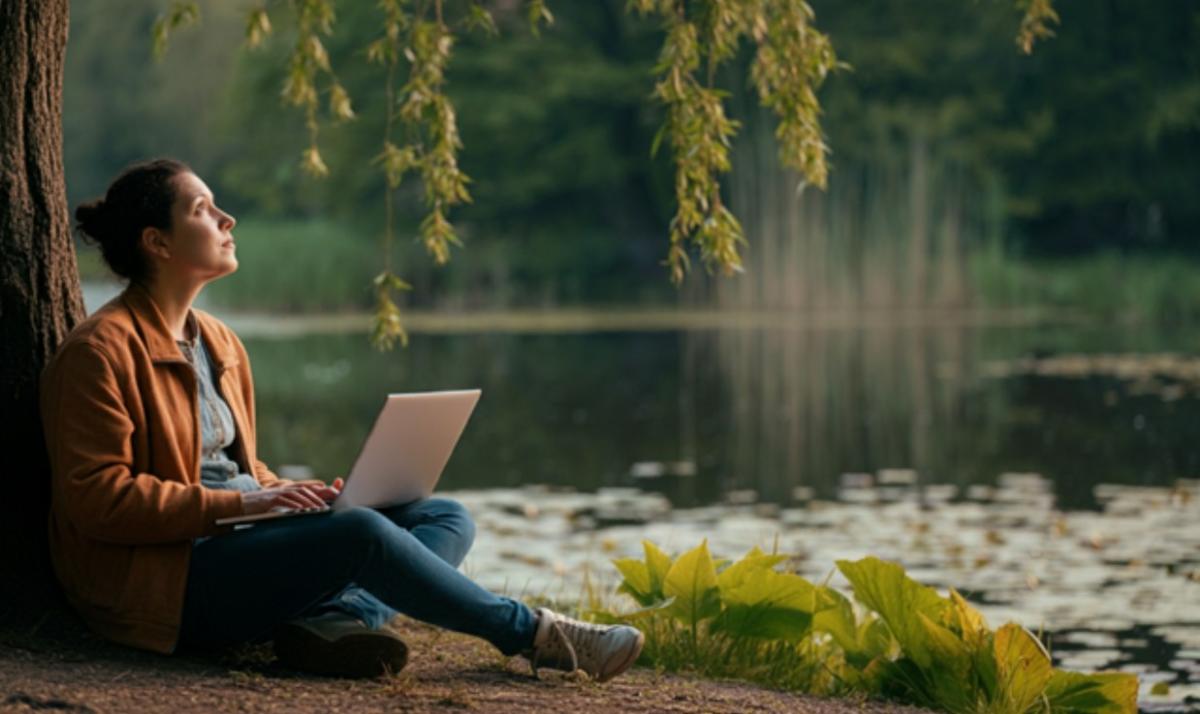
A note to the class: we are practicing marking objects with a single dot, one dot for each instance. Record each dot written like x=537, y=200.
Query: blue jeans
x=368, y=563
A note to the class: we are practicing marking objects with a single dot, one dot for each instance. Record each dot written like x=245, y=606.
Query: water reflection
x=800, y=407
x=770, y=415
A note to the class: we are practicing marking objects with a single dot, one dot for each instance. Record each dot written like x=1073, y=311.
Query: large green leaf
x=765, y=604
x=1023, y=668
x=969, y=621
x=862, y=642
x=658, y=564
x=949, y=681
x=839, y=621
x=637, y=580
x=980, y=640
x=1102, y=693
x=875, y=639
x=950, y=653
x=753, y=561
x=886, y=589
x=692, y=581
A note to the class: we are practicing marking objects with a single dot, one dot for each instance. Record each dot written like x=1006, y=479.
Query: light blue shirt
x=217, y=428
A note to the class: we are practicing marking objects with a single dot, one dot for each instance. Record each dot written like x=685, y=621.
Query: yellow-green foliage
x=748, y=619
x=792, y=60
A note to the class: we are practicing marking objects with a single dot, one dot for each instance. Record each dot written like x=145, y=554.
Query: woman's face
x=199, y=244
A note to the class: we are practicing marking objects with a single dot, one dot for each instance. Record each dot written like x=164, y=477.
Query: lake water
x=1044, y=471
x=1047, y=471
x=769, y=415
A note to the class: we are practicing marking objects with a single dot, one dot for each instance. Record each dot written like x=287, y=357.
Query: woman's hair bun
x=140, y=196
x=90, y=220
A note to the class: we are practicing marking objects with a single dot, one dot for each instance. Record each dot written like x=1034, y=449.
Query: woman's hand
x=291, y=497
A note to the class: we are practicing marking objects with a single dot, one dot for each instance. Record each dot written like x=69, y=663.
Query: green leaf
x=886, y=589
x=339, y=103
x=861, y=642
x=180, y=15
x=948, y=650
x=752, y=562
x=692, y=581
x=658, y=137
x=838, y=620
x=970, y=621
x=658, y=564
x=1102, y=693
x=311, y=163
x=538, y=14
x=258, y=26
x=876, y=640
x=1022, y=665
x=479, y=18
x=387, y=326
x=637, y=580
x=647, y=611
x=765, y=604
x=390, y=281
x=949, y=682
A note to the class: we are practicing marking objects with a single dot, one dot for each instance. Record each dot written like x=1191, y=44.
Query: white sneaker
x=602, y=651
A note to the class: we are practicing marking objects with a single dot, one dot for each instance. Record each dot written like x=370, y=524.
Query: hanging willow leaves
x=309, y=59
x=258, y=26
x=181, y=14
x=538, y=14
x=791, y=61
x=387, y=327
x=1035, y=23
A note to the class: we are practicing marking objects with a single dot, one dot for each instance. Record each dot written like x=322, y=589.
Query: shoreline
x=607, y=319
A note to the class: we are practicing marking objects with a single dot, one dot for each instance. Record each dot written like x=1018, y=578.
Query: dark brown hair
x=140, y=196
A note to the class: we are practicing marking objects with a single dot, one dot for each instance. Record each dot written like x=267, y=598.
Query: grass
x=1148, y=289
x=298, y=266
x=310, y=266
x=322, y=266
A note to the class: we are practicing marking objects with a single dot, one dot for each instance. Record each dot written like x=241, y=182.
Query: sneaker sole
x=356, y=656
x=626, y=663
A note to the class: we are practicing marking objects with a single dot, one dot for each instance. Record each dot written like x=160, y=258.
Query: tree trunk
x=40, y=296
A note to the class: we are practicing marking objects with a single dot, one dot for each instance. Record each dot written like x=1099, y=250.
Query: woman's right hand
x=284, y=498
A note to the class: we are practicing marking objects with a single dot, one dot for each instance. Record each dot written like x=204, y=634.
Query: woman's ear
x=155, y=243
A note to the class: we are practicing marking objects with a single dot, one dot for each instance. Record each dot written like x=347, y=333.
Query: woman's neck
x=174, y=300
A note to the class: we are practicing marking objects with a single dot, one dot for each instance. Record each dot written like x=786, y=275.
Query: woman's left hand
x=327, y=492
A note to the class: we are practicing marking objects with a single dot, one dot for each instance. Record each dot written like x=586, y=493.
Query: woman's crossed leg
x=243, y=585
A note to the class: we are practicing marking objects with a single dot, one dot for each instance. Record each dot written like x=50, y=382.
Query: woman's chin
x=228, y=266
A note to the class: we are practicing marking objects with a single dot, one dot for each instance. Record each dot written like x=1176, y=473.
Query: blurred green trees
x=1092, y=141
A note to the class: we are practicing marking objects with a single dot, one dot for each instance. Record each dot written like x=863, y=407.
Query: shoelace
x=587, y=634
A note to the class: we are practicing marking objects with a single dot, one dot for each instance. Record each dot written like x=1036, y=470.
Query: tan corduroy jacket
x=119, y=406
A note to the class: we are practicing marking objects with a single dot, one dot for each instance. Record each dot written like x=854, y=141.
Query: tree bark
x=40, y=295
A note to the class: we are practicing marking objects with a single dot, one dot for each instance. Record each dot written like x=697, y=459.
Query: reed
x=898, y=234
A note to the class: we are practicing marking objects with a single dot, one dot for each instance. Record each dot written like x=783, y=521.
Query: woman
x=149, y=419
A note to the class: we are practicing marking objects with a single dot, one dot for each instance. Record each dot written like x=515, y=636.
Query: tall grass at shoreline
x=299, y=266
x=321, y=266
x=283, y=266
x=1107, y=286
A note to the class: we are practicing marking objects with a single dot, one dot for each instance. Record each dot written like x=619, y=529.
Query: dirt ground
x=75, y=671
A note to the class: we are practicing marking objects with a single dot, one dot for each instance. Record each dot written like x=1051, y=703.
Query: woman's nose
x=227, y=221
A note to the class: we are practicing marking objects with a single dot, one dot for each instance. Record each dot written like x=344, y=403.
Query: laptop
x=403, y=456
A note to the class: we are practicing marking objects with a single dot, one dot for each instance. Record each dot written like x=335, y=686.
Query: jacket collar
x=160, y=343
